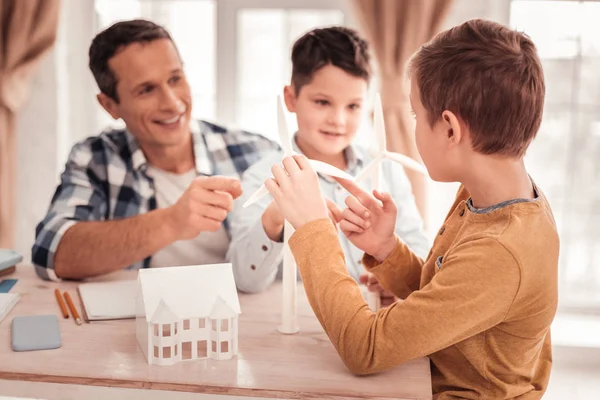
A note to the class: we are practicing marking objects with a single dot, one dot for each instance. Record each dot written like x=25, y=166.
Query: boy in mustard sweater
x=481, y=304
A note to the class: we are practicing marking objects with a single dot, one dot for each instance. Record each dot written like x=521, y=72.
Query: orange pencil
x=72, y=308
x=61, y=303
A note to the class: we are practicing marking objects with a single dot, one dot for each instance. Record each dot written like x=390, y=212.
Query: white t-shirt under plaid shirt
x=106, y=177
x=206, y=248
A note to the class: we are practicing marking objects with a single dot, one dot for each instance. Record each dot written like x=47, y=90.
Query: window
x=236, y=75
x=265, y=38
x=186, y=324
x=166, y=330
x=224, y=347
x=166, y=352
x=224, y=325
x=202, y=323
x=186, y=350
x=564, y=157
x=202, y=347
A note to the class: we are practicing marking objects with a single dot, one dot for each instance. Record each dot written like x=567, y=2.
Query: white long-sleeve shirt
x=256, y=259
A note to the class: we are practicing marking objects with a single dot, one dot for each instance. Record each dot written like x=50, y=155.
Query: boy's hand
x=273, y=221
x=369, y=280
x=335, y=213
x=369, y=222
x=296, y=190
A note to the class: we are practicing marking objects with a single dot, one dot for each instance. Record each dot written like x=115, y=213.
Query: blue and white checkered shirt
x=105, y=178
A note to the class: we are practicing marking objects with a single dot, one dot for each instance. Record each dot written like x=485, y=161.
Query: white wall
x=60, y=111
x=37, y=138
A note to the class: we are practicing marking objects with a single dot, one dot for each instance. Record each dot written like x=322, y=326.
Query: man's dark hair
x=111, y=40
x=339, y=46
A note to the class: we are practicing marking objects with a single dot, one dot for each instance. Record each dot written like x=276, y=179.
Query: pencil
x=72, y=308
x=61, y=303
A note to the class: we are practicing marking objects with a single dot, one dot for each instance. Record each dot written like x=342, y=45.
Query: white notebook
x=108, y=300
x=7, y=302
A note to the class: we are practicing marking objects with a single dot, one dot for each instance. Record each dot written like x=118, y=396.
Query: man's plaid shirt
x=105, y=178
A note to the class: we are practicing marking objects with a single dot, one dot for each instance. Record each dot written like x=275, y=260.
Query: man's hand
x=369, y=222
x=373, y=285
x=297, y=192
x=203, y=206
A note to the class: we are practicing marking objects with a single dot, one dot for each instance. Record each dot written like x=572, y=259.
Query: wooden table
x=269, y=364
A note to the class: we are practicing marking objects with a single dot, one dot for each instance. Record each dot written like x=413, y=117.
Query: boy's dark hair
x=111, y=40
x=491, y=77
x=339, y=46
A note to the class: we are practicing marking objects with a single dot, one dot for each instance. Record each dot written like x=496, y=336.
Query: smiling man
x=156, y=193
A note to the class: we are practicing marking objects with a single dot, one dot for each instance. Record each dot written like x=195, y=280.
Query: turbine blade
x=259, y=194
x=407, y=162
x=326, y=169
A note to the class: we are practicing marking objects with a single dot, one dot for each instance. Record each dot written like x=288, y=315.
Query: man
x=156, y=193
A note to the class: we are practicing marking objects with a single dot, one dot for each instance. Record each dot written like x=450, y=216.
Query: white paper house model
x=187, y=313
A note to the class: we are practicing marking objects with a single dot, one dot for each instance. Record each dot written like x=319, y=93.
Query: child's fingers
x=375, y=287
x=281, y=177
x=372, y=280
x=357, y=207
x=273, y=188
x=365, y=198
x=348, y=227
x=364, y=278
x=386, y=200
x=350, y=216
x=334, y=210
x=387, y=301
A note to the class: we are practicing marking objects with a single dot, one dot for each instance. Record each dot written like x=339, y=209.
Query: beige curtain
x=395, y=30
x=27, y=31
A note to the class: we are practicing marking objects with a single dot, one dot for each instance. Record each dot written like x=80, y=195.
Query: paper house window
x=202, y=349
x=195, y=308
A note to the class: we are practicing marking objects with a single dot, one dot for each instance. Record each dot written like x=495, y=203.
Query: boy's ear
x=110, y=105
x=289, y=96
x=452, y=127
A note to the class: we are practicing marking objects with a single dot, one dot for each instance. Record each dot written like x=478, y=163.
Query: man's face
x=154, y=95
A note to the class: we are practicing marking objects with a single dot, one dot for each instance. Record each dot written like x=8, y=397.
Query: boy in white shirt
x=330, y=77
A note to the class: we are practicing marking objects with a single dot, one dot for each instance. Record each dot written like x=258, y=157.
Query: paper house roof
x=188, y=292
x=221, y=309
x=163, y=314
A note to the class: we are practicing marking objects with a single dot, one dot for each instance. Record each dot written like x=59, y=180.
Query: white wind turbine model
x=373, y=169
x=289, y=323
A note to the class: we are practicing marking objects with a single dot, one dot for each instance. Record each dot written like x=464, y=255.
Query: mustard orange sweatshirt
x=480, y=306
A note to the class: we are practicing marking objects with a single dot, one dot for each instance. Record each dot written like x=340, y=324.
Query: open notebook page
x=7, y=302
x=108, y=300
